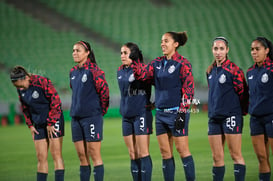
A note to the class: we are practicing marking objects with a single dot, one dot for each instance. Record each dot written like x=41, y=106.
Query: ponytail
x=180, y=37
x=87, y=47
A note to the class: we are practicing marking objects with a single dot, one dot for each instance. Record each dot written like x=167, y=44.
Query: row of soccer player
x=230, y=98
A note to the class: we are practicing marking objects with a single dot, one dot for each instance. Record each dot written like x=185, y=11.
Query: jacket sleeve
x=51, y=94
x=102, y=90
x=143, y=72
x=241, y=89
x=187, y=89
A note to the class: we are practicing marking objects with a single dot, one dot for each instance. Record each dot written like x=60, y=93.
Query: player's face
x=22, y=83
x=219, y=50
x=124, y=55
x=79, y=54
x=258, y=52
x=168, y=45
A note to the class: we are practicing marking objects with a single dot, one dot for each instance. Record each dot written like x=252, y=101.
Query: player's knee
x=132, y=154
x=82, y=156
x=183, y=151
x=165, y=153
x=41, y=156
x=57, y=156
x=262, y=158
x=237, y=157
x=218, y=158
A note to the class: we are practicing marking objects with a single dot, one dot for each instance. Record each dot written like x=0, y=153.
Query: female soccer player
x=227, y=104
x=260, y=82
x=174, y=89
x=90, y=101
x=136, y=114
x=41, y=106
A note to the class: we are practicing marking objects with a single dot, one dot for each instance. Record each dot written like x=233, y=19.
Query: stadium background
x=39, y=34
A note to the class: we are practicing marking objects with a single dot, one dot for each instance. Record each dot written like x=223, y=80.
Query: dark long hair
x=134, y=48
x=87, y=47
x=266, y=44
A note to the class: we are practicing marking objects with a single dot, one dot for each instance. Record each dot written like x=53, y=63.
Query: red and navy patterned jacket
x=260, y=82
x=228, y=91
x=173, y=81
x=90, y=91
x=41, y=103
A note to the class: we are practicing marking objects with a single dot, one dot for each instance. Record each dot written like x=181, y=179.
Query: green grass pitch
x=18, y=160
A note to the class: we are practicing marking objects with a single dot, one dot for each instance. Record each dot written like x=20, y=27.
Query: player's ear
x=27, y=77
x=267, y=51
x=176, y=44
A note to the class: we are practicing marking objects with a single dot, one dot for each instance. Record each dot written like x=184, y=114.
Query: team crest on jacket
x=222, y=78
x=131, y=78
x=84, y=78
x=35, y=95
x=171, y=69
x=264, y=78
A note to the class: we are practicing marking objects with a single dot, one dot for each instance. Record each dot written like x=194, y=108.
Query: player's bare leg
x=182, y=147
x=94, y=151
x=82, y=153
x=164, y=146
x=85, y=169
x=234, y=142
x=55, y=146
x=217, y=147
x=142, y=145
x=135, y=163
x=41, y=147
x=144, y=157
x=168, y=164
x=261, y=149
x=217, y=143
x=130, y=144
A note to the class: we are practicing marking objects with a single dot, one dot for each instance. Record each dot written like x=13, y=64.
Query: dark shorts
x=261, y=125
x=87, y=129
x=138, y=125
x=165, y=123
x=59, y=125
x=230, y=125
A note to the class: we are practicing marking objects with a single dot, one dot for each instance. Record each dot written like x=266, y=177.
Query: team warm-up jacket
x=90, y=91
x=228, y=91
x=135, y=94
x=173, y=80
x=41, y=104
x=260, y=82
